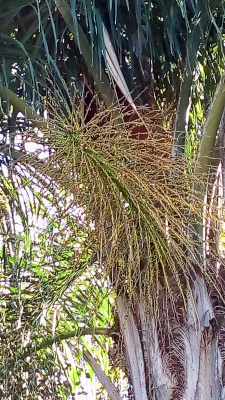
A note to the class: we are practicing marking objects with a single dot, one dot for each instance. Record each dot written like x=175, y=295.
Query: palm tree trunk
x=180, y=361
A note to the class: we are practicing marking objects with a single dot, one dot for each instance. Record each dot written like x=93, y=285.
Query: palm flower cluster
x=142, y=202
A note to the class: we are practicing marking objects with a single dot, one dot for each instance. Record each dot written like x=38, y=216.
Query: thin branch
x=206, y=149
x=20, y=105
x=211, y=129
x=47, y=342
x=194, y=42
x=102, y=377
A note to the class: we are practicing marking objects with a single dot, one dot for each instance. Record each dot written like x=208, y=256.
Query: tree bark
x=190, y=366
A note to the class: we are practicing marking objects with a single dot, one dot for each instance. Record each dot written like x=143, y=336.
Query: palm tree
x=109, y=73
